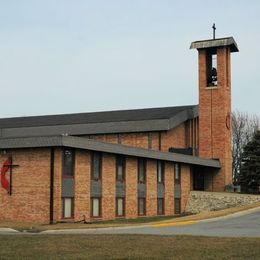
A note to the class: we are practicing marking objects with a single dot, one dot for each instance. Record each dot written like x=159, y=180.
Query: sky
x=64, y=56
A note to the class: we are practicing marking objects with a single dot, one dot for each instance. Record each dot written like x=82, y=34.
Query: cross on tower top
x=214, y=30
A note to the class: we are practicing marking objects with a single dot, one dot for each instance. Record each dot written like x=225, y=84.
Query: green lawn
x=126, y=247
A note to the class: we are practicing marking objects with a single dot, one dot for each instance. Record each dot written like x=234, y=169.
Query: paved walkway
x=243, y=224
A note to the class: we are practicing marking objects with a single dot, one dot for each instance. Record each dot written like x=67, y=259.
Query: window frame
x=99, y=207
x=149, y=140
x=163, y=207
x=211, y=58
x=138, y=206
x=64, y=169
x=144, y=161
x=63, y=207
x=93, y=166
x=177, y=180
x=121, y=159
x=123, y=200
x=161, y=164
x=177, y=201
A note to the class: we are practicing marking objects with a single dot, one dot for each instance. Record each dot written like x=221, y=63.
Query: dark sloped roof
x=137, y=120
x=93, y=145
x=94, y=117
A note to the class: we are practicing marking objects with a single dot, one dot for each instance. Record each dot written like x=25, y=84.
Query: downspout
x=51, y=184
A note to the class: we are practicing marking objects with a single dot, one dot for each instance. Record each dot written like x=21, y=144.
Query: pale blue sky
x=81, y=55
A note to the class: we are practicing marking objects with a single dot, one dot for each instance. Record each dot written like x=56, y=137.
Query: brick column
x=57, y=184
x=185, y=185
x=82, y=185
x=151, y=188
x=131, y=188
x=169, y=188
x=108, y=186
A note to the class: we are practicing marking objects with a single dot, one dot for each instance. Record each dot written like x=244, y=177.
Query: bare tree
x=243, y=128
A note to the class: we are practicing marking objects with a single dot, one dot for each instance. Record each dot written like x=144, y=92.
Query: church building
x=121, y=164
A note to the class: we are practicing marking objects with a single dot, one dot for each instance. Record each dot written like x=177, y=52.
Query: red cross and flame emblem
x=5, y=168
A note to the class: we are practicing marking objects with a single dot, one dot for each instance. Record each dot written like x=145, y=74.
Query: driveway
x=245, y=224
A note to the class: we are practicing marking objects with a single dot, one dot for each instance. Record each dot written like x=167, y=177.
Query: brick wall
x=57, y=184
x=82, y=185
x=131, y=188
x=151, y=188
x=112, y=138
x=184, y=135
x=169, y=189
x=30, y=200
x=30, y=193
x=215, y=106
x=185, y=185
x=173, y=138
x=108, y=186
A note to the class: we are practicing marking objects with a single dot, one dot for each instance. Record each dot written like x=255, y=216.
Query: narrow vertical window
x=160, y=172
x=96, y=166
x=212, y=79
x=177, y=173
x=177, y=188
x=141, y=170
x=120, y=207
x=177, y=206
x=141, y=206
x=96, y=207
x=150, y=139
x=119, y=138
x=160, y=206
x=160, y=141
x=68, y=163
x=120, y=168
x=67, y=207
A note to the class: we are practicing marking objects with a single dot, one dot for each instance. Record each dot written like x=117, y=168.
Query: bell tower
x=215, y=105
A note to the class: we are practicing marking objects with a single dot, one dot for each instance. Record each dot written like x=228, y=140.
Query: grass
x=126, y=247
x=34, y=227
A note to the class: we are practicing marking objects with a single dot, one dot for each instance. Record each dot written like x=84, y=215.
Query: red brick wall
x=57, y=184
x=185, y=185
x=169, y=189
x=131, y=188
x=142, y=140
x=173, y=138
x=128, y=139
x=136, y=139
x=151, y=188
x=82, y=185
x=31, y=186
x=192, y=133
x=111, y=138
x=101, y=138
x=215, y=105
x=155, y=141
x=108, y=186
x=184, y=135
x=30, y=193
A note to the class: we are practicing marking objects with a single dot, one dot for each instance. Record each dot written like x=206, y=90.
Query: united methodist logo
x=7, y=167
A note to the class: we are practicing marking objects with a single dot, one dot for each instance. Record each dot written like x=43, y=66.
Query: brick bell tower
x=215, y=105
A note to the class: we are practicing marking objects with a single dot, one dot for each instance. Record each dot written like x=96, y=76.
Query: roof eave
x=213, y=43
x=93, y=145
